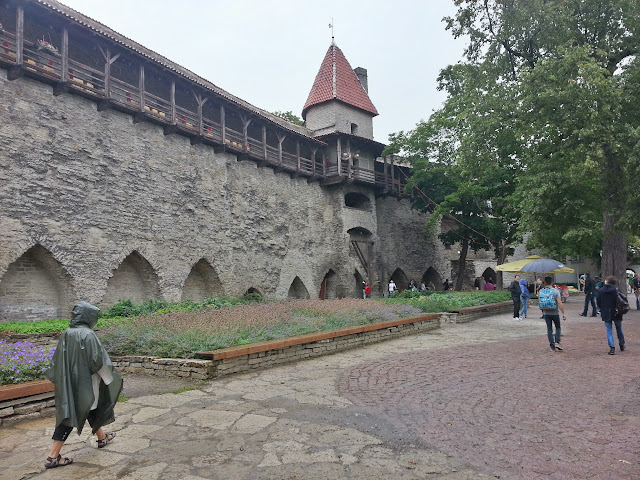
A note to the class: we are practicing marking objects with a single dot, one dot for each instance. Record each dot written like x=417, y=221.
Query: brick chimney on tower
x=361, y=73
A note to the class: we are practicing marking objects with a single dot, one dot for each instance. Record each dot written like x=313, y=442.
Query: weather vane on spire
x=331, y=27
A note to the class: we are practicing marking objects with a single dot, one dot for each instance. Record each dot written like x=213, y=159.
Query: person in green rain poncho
x=87, y=386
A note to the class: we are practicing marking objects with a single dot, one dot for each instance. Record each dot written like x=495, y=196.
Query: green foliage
x=290, y=117
x=125, y=308
x=452, y=301
x=551, y=88
x=47, y=326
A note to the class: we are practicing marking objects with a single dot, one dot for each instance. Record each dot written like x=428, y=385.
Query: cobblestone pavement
x=453, y=404
x=516, y=408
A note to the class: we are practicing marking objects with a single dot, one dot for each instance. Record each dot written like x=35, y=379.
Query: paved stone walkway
x=481, y=400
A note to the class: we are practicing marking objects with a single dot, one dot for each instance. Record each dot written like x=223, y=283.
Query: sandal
x=107, y=438
x=58, y=462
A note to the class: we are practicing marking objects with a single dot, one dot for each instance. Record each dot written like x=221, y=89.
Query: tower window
x=354, y=129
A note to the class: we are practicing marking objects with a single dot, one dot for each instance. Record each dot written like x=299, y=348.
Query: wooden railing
x=89, y=82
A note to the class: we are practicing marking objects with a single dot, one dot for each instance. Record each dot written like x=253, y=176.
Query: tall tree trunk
x=614, y=241
x=614, y=252
x=462, y=264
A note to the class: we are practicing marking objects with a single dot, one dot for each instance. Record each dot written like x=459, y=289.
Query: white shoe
x=516, y=318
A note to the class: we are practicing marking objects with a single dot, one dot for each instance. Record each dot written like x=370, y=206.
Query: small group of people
x=480, y=283
x=604, y=295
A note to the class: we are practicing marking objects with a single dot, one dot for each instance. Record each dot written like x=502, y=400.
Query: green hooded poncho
x=76, y=362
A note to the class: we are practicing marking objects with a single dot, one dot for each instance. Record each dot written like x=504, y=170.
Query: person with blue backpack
x=550, y=301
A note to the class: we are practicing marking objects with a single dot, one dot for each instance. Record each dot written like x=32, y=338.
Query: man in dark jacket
x=607, y=299
x=87, y=386
x=514, y=289
x=589, y=296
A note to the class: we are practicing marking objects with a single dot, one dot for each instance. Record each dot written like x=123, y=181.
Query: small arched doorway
x=328, y=286
x=432, y=279
x=298, y=290
x=489, y=275
x=400, y=278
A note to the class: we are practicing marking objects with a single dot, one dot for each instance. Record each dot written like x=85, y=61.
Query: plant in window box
x=42, y=44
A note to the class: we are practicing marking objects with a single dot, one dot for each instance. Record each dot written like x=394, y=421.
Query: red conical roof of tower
x=336, y=80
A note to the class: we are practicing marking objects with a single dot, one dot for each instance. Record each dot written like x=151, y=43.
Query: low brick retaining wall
x=35, y=399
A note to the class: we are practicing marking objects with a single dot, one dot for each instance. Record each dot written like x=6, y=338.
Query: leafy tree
x=569, y=74
x=290, y=117
x=462, y=159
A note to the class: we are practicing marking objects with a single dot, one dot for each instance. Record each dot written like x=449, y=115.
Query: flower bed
x=23, y=361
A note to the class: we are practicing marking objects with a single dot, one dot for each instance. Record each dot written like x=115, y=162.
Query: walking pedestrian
x=87, y=386
x=524, y=297
x=550, y=301
x=607, y=299
x=636, y=289
x=589, y=296
x=514, y=289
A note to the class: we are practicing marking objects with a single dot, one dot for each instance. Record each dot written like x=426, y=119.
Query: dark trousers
x=516, y=306
x=590, y=297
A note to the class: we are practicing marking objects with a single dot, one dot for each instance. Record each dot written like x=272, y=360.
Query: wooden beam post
x=18, y=70
x=223, y=127
x=141, y=88
x=172, y=99
x=19, y=35
x=108, y=60
x=324, y=163
x=200, y=101
x=339, y=150
x=350, y=164
x=264, y=142
x=64, y=74
x=298, y=156
x=314, y=150
x=280, y=140
x=246, y=121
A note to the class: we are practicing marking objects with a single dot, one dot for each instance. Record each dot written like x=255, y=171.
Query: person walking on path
x=514, y=289
x=550, y=301
x=589, y=296
x=392, y=287
x=607, y=299
x=87, y=386
x=636, y=289
x=524, y=297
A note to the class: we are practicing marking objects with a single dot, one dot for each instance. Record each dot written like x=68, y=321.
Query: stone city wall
x=96, y=207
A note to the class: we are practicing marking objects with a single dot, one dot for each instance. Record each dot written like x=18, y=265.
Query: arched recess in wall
x=490, y=275
x=328, y=286
x=202, y=283
x=134, y=279
x=357, y=291
x=400, y=278
x=357, y=200
x=35, y=287
x=298, y=290
x=432, y=277
x=253, y=290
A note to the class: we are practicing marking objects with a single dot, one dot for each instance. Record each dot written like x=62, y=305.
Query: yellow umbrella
x=514, y=267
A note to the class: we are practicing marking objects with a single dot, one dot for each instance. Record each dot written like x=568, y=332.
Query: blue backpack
x=546, y=299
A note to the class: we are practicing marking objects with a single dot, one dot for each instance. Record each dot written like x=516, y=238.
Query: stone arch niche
x=400, y=278
x=134, y=279
x=490, y=275
x=253, y=290
x=328, y=286
x=431, y=276
x=357, y=200
x=202, y=283
x=357, y=292
x=298, y=290
x=35, y=287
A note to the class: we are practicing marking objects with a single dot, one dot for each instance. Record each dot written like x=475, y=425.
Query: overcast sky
x=268, y=52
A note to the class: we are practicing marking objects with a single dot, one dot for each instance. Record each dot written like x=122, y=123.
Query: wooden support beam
x=18, y=70
x=246, y=121
x=350, y=164
x=172, y=100
x=200, y=101
x=264, y=143
x=19, y=35
x=298, y=156
x=223, y=125
x=108, y=61
x=339, y=149
x=281, y=138
x=141, y=87
x=64, y=55
x=324, y=163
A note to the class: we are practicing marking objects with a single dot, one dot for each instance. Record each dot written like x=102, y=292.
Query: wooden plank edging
x=26, y=389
